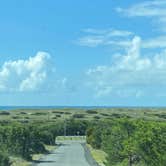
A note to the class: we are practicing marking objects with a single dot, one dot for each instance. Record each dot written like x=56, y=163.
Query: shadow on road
x=43, y=161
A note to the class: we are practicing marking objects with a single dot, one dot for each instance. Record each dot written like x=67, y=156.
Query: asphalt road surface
x=68, y=154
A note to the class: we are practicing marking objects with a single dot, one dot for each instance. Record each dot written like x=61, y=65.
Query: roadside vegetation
x=23, y=140
x=129, y=142
x=117, y=137
x=98, y=155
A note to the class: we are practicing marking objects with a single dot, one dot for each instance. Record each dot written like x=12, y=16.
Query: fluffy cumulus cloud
x=130, y=74
x=33, y=74
x=138, y=66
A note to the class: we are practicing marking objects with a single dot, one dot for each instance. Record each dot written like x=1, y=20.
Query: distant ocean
x=49, y=107
x=6, y=108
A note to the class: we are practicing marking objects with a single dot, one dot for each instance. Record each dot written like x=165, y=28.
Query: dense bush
x=78, y=116
x=104, y=114
x=161, y=116
x=91, y=112
x=4, y=159
x=25, y=139
x=74, y=126
x=40, y=113
x=58, y=116
x=57, y=112
x=4, y=113
x=23, y=113
x=15, y=117
x=97, y=117
x=67, y=113
x=130, y=142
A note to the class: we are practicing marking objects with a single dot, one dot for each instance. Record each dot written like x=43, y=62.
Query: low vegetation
x=4, y=113
x=78, y=116
x=91, y=112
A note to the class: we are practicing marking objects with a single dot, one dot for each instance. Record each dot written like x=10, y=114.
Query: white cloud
x=95, y=31
x=108, y=32
x=26, y=75
x=97, y=37
x=147, y=8
x=156, y=42
x=91, y=41
x=118, y=39
x=155, y=9
x=119, y=43
x=130, y=74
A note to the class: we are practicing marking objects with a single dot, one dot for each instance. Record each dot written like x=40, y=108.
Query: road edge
x=88, y=156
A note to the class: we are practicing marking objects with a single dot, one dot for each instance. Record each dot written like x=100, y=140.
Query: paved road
x=69, y=154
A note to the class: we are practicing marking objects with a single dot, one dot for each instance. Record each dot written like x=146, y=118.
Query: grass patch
x=98, y=155
x=16, y=161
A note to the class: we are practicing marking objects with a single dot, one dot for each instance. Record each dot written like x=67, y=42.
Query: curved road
x=68, y=154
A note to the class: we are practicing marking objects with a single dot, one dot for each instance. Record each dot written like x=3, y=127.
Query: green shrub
x=130, y=142
x=25, y=139
x=24, y=113
x=78, y=116
x=58, y=116
x=105, y=114
x=4, y=113
x=97, y=117
x=4, y=159
x=91, y=112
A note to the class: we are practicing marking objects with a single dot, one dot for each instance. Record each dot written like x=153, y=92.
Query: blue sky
x=83, y=52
